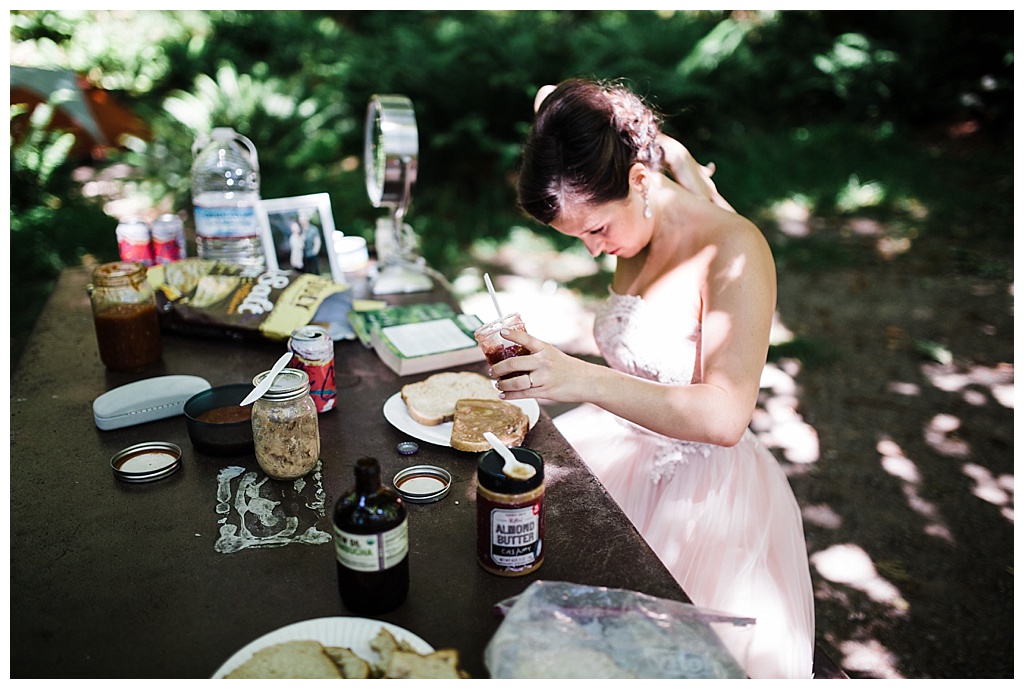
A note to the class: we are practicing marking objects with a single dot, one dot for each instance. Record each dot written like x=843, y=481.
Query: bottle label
x=515, y=536
x=226, y=222
x=372, y=552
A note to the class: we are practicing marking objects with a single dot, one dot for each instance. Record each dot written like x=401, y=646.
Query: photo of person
x=298, y=227
x=311, y=245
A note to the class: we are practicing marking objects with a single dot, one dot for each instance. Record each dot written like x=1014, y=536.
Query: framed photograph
x=298, y=235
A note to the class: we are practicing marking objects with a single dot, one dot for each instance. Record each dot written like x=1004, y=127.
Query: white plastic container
x=226, y=198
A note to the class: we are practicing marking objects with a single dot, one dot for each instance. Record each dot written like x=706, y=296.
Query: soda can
x=168, y=234
x=133, y=241
x=313, y=352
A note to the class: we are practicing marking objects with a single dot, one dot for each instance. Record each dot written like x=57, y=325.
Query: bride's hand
x=549, y=372
x=689, y=173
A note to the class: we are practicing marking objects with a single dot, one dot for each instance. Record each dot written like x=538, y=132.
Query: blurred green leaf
x=934, y=351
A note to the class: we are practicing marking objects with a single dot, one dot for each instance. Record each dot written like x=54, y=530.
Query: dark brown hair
x=585, y=138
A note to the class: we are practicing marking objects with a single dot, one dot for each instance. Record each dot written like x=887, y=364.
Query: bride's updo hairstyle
x=585, y=138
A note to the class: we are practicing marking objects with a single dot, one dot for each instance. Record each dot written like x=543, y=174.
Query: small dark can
x=313, y=352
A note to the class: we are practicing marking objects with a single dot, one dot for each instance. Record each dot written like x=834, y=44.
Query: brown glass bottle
x=371, y=544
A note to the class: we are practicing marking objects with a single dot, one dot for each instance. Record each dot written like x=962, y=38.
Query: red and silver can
x=168, y=233
x=133, y=241
x=313, y=352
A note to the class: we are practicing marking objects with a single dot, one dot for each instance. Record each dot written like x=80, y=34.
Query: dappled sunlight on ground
x=869, y=657
x=973, y=382
x=793, y=216
x=823, y=516
x=997, y=490
x=940, y=434
x=895, y=463
x=777, y=420
x=849, y=565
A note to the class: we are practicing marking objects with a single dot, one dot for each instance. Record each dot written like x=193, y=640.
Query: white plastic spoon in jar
x=521, y=471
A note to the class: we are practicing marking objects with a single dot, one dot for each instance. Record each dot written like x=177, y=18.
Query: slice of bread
x=350, y=664
x=309, y=659
x=474, y=416
x=297, y=659
x=431, y=401
x=443, y=664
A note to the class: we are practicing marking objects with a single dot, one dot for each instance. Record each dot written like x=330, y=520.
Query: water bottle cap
x=223, y=133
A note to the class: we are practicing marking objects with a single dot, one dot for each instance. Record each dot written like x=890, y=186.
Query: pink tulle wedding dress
x=723, y=519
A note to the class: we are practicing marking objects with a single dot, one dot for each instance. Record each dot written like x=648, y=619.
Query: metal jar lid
x=146, y=462
x=423, y=483
x=290, y=384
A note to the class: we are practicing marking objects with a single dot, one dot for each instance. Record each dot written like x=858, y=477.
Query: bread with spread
x=431, y=401
x=474, y=416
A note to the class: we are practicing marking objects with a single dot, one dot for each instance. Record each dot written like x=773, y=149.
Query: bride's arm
x=689, y=173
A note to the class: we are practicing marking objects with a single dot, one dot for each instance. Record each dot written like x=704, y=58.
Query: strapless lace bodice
x=636, y=337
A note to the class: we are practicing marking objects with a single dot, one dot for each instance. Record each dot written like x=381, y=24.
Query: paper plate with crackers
x=341, y=648
x=454, y=408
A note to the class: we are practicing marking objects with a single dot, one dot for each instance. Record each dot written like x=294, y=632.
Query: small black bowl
x=220, y=438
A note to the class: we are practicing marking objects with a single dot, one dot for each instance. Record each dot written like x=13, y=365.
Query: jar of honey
x=124, y=313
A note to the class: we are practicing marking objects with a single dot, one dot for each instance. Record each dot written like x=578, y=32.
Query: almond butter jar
x=509, y=515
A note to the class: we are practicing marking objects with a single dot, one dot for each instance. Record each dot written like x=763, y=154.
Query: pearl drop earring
x=647, y=206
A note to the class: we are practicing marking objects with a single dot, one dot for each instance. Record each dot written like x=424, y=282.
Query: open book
x=419, y=337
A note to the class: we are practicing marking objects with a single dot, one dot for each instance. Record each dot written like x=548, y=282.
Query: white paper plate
x=351, y=632
x=397, y=415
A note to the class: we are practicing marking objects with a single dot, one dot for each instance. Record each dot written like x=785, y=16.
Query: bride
x=685, y=333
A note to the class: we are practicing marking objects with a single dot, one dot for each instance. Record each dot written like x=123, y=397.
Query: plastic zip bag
x=563, y=630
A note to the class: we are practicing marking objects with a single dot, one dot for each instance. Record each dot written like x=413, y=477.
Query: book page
x=431, y=337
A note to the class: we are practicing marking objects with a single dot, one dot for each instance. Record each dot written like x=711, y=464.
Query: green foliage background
x=788, y=104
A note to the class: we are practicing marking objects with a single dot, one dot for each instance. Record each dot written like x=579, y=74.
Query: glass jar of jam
x=495, y=347
x=124, y=313
x=285, y=430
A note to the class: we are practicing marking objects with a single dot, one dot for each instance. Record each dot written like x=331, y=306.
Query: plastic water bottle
x=225, y=199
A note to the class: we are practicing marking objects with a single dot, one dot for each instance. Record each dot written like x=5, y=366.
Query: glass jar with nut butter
x=285, y=431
